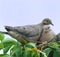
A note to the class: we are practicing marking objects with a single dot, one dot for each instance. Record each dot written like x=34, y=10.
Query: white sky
x=24, y=12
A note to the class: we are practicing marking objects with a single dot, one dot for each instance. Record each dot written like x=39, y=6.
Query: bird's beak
x=52, y=24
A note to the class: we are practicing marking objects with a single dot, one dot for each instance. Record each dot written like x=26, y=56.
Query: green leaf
x=1, y=46
x=4, y=55
x=6, y=49
x=29, y=52
x=8, y=43
x=30, y=45
x=36, y=54
x=25, y=53
x=1, y=36
x=56, y=53
x=32, y=53
x=16, y=51
x=47, y=51
x=54, y=45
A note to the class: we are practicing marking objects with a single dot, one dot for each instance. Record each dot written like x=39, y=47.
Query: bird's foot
x=42, y=45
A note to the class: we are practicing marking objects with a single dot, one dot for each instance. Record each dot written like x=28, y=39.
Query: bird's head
x=47, y=21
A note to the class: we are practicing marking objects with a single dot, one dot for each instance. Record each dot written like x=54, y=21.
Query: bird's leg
x=41, y=46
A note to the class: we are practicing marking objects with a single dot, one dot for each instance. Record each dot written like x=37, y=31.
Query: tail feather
x=8, y=28
x=4, y=32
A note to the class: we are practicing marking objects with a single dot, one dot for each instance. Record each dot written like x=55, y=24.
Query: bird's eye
x=47, y=21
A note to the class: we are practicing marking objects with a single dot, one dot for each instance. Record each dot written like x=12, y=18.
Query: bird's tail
x=3, y=32
x=9, y=28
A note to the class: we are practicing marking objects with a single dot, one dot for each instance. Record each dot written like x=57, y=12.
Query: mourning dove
x=29, y=32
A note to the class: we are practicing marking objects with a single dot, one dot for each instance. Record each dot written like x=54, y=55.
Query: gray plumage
x=29, y=32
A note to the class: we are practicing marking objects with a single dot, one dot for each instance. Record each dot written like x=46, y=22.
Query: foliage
x=16, y=49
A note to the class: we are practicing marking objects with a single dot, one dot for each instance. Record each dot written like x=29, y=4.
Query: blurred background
x=28, y=12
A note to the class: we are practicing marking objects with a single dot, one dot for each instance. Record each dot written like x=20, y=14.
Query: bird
x=31, y=33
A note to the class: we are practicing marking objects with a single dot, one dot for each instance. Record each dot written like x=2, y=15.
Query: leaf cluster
x=13, y=48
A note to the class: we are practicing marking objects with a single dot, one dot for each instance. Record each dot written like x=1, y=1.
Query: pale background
x=27, y=12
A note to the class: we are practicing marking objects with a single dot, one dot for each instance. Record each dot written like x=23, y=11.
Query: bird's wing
x=28, y=31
